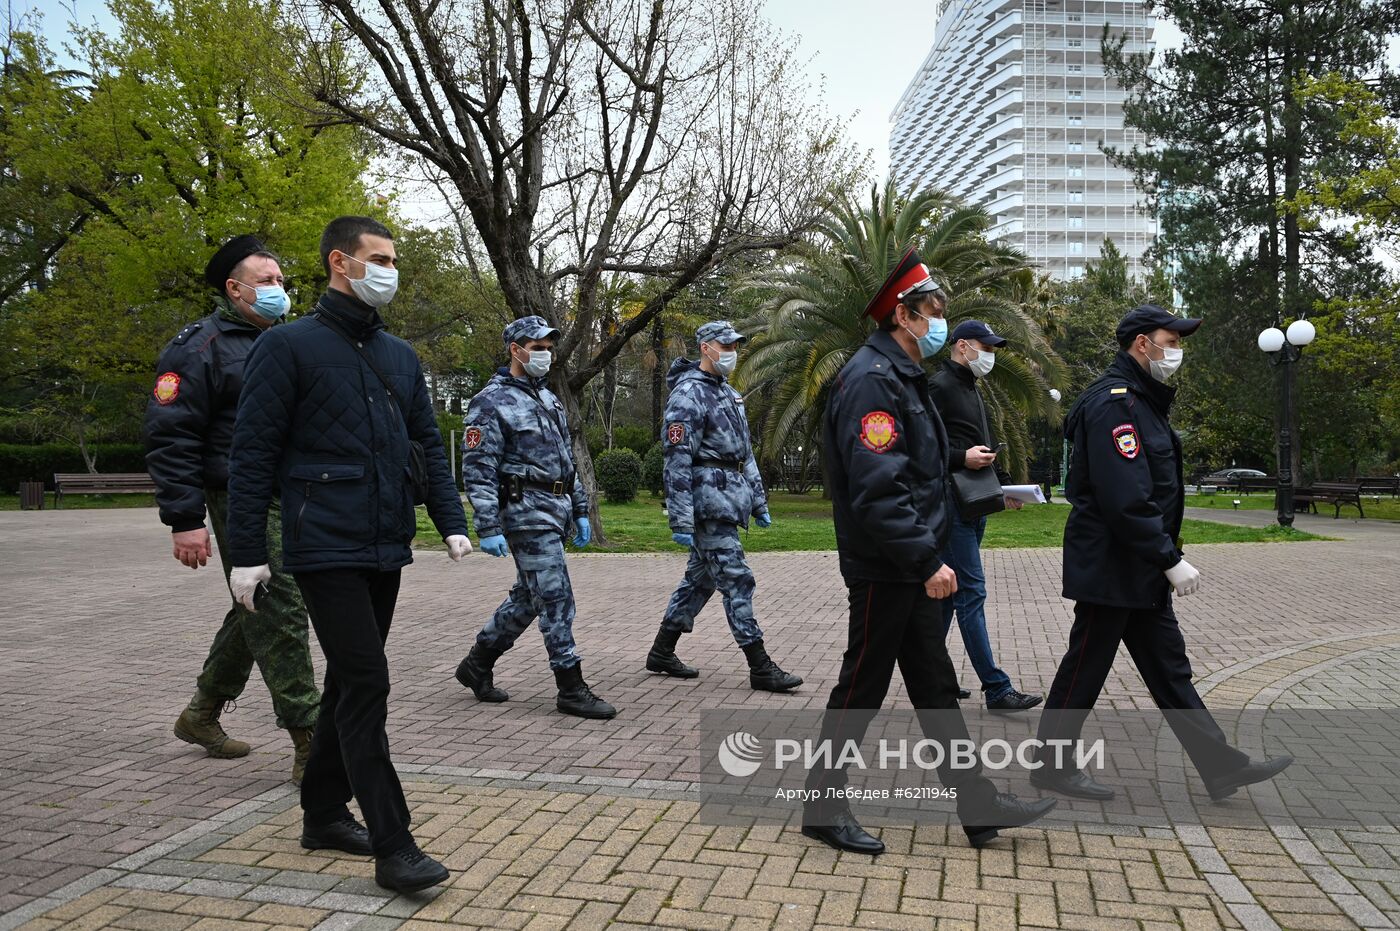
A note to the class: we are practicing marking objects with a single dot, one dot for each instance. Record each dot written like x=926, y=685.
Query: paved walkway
x=550, y=821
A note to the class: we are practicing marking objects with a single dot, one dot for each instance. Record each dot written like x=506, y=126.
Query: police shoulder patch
x=1125, y=440
x=472, y=438
x=675, y=432
x=877, y=431
x=167, y=388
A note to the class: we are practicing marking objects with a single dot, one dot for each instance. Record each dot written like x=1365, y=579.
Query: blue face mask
x=933, y=340
x=271, y=302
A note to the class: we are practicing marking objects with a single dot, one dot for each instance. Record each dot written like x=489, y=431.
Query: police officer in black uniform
x=886, y=455
x=1123, y=560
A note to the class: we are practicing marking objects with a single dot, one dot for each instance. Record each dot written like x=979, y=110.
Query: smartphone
x=998, y=449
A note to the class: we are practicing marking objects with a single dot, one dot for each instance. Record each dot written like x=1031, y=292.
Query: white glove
x=1185, y=578
x=457, y=546
x=244, y=582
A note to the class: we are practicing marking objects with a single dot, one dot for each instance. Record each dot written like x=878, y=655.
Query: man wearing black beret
x=189, y=427
x=1123, y=559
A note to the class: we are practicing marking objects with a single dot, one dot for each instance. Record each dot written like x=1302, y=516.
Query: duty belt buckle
x=558, y=488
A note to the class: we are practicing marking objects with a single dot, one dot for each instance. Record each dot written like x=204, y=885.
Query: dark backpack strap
x=322, y=319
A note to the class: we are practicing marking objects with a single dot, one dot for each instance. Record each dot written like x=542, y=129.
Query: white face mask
x=725, y=362
x=1165, y=367
x=378, y=286
x=538, y=363
x=981, y=363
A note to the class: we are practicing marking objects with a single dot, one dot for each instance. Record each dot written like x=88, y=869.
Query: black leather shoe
x=408, y=870
x=766, y=675
x=474, y=672
x=1222, y=787
x=964, y=694
x=1075, y=783
x=346, y=835
x=1014, y=701
x=663, y=658
x=1003, y=811
x=838, y=828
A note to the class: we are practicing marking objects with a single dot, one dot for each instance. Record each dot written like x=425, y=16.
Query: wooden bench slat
x=100, y=483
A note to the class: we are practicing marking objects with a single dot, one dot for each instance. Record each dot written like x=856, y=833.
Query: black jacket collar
x=1157, y=394
x=349, y=313
x=961, y=372
x=884, y=343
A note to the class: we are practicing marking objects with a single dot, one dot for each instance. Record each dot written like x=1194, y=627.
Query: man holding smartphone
x=971, y=445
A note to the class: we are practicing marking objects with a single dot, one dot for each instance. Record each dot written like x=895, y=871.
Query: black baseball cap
x=976, y=329
x=1148, y=317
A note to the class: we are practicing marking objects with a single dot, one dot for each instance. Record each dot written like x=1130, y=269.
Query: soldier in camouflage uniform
x=712, y=488
x=519, y=474
x=189, y=426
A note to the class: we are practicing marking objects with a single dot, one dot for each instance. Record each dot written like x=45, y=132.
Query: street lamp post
x=1285, y=349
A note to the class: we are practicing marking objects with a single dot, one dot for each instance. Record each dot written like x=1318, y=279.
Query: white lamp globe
x=1301, y=332
x=1271, y=340
x=1055, y=394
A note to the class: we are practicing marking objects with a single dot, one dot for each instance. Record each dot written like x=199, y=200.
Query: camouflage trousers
x=542, y=589
x=275, y=636
x=716, y=562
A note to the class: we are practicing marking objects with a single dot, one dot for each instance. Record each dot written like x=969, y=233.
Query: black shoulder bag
x=977, y=492
x=417, y=457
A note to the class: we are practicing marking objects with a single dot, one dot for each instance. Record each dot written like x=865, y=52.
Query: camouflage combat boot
x=199, y=724
x=301, y=739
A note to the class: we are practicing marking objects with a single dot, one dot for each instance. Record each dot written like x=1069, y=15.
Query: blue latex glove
x=495, y=545
x=585, y=532
x=684, y=539
x=764, y=519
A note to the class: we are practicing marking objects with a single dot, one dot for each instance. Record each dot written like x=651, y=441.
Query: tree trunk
x=583, y=461
x=658, y=372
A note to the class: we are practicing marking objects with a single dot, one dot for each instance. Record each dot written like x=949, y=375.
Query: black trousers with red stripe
x=897, y=623
x=1154, y=641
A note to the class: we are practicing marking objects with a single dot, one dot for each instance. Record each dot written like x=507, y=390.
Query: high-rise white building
x=1008, y=111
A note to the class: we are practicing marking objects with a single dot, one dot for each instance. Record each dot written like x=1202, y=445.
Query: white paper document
x=1026, y=494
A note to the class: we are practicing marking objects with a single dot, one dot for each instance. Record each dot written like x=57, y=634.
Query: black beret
x=230, y=254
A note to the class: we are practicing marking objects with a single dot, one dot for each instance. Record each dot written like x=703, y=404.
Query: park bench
x=1333, y=493
x=97, y=483
x=1380, y=484
x=1244, y=486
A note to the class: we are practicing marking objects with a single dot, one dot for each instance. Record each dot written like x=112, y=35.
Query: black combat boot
x=576, y=698
x=474, y=671
x=663, y=658
x=766, y=675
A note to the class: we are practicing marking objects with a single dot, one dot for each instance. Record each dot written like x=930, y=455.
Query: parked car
x=1227, y=477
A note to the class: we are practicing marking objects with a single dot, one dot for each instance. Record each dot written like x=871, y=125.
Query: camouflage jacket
x=710, y=471
x=516, y=427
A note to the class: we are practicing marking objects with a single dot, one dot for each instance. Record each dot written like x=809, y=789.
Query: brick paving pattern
x=550, y=821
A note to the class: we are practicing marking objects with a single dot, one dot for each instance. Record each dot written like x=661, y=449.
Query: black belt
x=731, y=464
x=561, y=488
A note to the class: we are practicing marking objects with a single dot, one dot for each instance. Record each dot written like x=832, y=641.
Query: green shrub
x=619, y=474
x=636, y=437
x=653, y=469
x=24, y=463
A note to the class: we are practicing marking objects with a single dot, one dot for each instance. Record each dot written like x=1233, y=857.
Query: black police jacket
x=189, y=417
x=315, y=420
x=1125, y=490
x=954, y=391
x=886, y=459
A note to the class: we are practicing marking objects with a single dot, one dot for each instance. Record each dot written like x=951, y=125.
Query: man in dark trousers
x=886, y=456
x=972, y=348
x=336, y=414
x=189, y=426
x=1123, y=560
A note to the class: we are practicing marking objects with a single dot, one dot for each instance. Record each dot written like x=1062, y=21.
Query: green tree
x=811, y=322
x=1230, y=142
x=169, y=143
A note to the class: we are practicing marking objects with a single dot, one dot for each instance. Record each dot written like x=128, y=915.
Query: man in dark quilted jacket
x=331, y=408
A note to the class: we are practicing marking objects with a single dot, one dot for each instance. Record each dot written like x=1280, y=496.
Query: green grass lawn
x=80, y=502
x=1387, y=508
x=803, y=522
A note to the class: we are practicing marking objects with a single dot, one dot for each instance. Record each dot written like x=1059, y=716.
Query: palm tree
x=810, y=322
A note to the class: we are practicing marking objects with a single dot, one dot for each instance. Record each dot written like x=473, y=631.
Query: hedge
x=619, y=474
x=23, y=463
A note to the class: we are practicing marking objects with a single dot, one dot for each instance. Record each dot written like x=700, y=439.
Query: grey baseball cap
x=527, y=328
x=718, y=331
